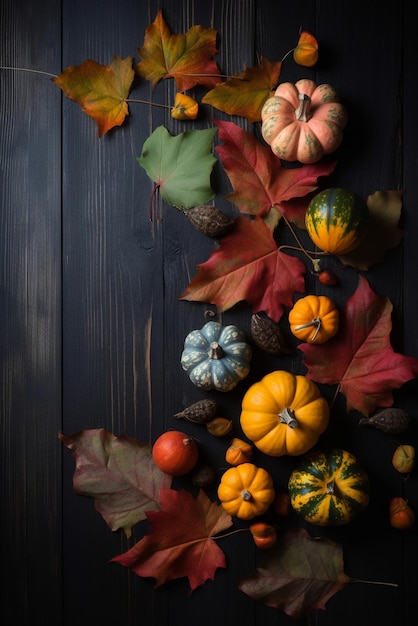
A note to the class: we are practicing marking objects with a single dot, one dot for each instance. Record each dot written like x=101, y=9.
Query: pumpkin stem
x=287, y=416
x=302, y=112
x=315, y=322
x=331, y=487
x=246, y=495
x=215, y=351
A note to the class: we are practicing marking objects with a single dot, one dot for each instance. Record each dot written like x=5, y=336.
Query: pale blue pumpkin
x=216, y=356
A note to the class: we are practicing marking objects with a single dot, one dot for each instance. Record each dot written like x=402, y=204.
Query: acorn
x=201, y=412
x=209, y=220
x=268, y=335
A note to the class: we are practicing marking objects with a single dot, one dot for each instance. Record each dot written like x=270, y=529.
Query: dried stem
x=153, y=104
x=372, y=582
x=25, y=69
x=300, y=248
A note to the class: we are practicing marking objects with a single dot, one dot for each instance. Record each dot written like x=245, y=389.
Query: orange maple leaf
x=186, y=57
x=180, y=543
x=248, y=266
x=245, y=93
x=100, y=90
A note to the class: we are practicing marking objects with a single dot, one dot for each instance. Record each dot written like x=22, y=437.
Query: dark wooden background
x=91, y=328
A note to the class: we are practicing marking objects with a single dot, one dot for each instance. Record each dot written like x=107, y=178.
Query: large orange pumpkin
x=284, y=414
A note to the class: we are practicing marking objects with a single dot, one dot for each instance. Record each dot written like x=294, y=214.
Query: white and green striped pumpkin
x=329, y=488
x=216, y=357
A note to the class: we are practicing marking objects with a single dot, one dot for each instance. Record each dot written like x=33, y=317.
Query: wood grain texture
x=92, y=325
x=30, y=317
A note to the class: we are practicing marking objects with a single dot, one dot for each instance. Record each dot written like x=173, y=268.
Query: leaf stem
x=227, y=76
x=154, y=104
x=287, y=54
x=26, y=69
x=232, y=532
x=372, y=582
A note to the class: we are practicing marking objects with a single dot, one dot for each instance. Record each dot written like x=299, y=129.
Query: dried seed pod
x=268, y=336
x=203, y=476
x=209, y=220
x=391, y=421
x=201, y=412
x=219, y=426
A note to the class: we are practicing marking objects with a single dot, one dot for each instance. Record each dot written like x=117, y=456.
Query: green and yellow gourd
x=337, y=220
x=216, y=357
x=329, y=488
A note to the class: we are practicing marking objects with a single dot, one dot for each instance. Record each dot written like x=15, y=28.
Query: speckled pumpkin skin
x=223, y=371
x=295, y=137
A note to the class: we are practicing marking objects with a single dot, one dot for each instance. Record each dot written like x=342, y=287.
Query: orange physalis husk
x=185, y=108
x=264, y=535
x=401, y=516
x=239, y=451
x=306, y=52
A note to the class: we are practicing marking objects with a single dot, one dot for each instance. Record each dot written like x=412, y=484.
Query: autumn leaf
x=299, y=574
x=180, y=543
x=245, y=93
x=384, y=232
x=100, y=90
x=188, y=58
x=248, y=266
x=119, y=473
x=180, y=165
x=256, y=174
x=360, y=358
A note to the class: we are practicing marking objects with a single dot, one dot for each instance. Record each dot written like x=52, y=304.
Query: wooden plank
x=30, y=313
x=123, y=325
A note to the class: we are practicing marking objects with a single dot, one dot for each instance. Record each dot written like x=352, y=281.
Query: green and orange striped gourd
x=337, y=220
x=329, y=488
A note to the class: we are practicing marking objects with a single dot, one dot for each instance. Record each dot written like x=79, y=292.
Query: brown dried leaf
x=298, y=574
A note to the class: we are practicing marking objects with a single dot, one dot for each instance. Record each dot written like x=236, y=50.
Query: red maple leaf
x=248, y=266
x=360, y=358
x=180, y=543
x=257, y=176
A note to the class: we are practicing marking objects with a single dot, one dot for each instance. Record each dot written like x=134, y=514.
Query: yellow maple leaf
x=245, y=93
x=100, y=90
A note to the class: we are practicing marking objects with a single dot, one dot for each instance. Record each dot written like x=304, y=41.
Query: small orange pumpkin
x=303, y=121
x=246, y=491
x=175, y=453
x=314, y=319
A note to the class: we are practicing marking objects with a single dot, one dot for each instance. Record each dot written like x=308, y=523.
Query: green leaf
x=180, y=165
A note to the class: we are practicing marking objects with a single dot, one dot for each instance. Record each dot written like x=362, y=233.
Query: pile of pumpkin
x=284, y=414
